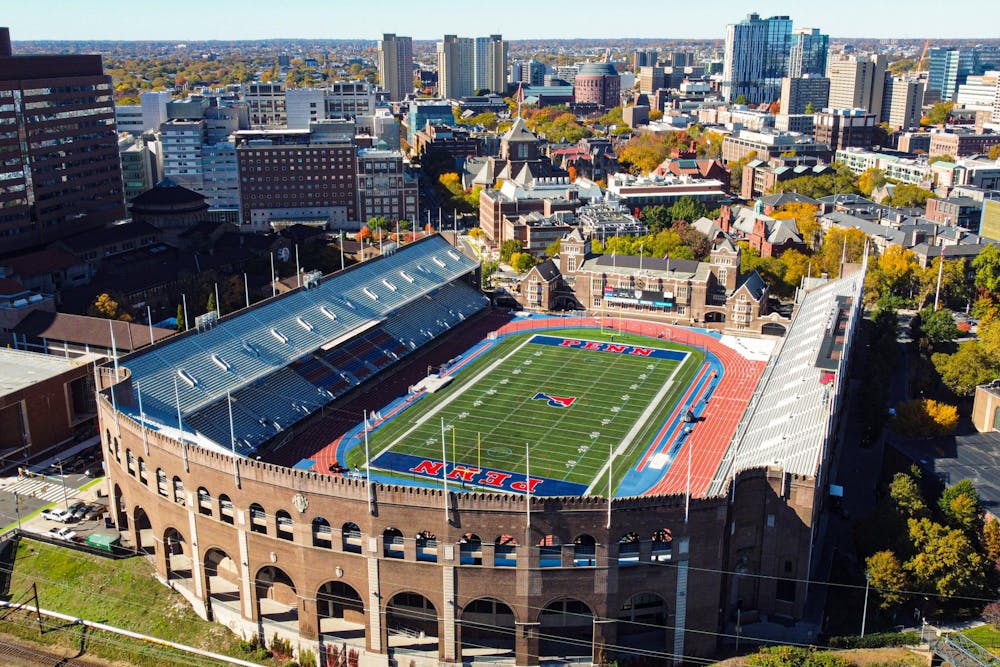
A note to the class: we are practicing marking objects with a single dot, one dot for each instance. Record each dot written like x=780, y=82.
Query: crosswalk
x=45, y=488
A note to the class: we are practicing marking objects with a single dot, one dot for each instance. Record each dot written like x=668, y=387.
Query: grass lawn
x=499, y=404
x=986, y=636
x=121, y=593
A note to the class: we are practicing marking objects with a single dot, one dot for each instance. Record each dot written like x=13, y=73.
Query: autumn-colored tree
x=871, y=179
x=364, y=233
x=210, y=306
x=887, y=575
x=954, y=288
x=959, y=503
x=991, y=539
x=804, y=215
x=987, y=267
x=968, y=367
x=907, y=195
x=993, y=153
x=894, y=273
x=572, y=173
x=797, y=266
x=108, y=307
x=552, y=249
x=521, y=262
x=839, y=243
x=181, y=326
x=904, y=491
x=925, y=418
x=477, y=233
x=939, y=114
x=508, y=248
x=946, y=561
x=736, y=171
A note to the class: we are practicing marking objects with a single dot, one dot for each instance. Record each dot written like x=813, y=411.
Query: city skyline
x=70, y=20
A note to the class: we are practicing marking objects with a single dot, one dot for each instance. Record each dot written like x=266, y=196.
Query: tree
x=210, y=307
x=937, y=326
x=959, y=503
x=941, y=158
x=107, y=307
x=904, y=491
x=521, y=262
x=552, y=249
x=871, y=179
x=946, y=561
x=489, y=268
x=987, y=266
x=994, y=152
x=804, y=215
x=907, y=195
x=810, y=108
x=839, y=243
x=687, y=208
x=887, y=575
x=939, y=114
x=925, y=418
x=991, y=539
x=991, y=614
x=477, y=233
x=736, y=171
x=180, y=318
x=508, y=248
x=740, y=99
x=954, y=289
x=893, y=273
x=657, y=217
x=966, y=369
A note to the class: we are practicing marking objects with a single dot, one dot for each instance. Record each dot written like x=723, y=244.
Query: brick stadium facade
x=267, y=548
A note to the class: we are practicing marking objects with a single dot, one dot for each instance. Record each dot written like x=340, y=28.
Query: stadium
x=379, y=462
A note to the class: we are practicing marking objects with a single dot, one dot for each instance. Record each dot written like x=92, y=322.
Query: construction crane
x=922, y=54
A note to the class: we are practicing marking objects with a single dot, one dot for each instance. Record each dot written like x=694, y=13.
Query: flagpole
x=479, y=450
x=687, y=493
x=611, y=453
x=454, y=456
x=937, y=292
x=368, y=465
x=142, y=420
x=444, y=469
x=114, y=349
x=527, y=487
x=232, y=440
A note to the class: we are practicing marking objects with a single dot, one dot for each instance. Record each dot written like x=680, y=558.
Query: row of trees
x=644, y=152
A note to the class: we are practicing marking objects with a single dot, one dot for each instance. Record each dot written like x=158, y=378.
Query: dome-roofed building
x=597, y=83
x=169, y=206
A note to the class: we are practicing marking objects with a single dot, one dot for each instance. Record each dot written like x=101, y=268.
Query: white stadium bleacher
x=288, y=356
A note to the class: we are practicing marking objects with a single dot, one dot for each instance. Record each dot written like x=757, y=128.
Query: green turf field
x=490, y=413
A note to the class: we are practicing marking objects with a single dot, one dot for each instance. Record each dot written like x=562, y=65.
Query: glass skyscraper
x=756, y=58
x=808, y=53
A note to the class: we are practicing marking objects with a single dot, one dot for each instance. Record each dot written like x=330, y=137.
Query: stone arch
x=258, y=519
x=322, y=535
x=141, y=469
x=715, y=316
x=550, y=551
x=773, y=329
x=121, y=516
x=204, y=501
x=340, y=610
x=178, y=490
x=222, y=577
x=176, y=554
x=392, y=542
x=643, y=622
x=566, y=627
x=505, y=551
x=584, y=550
x=471, y=549
x=413, y=622
x=142, y=531
x=284, y=527
x=628, y=549
x=488, y=625
x=663, y=542
x=277, y=597
x=226, y=512
x=350, y=535
x=129, y=462
x=162, y=483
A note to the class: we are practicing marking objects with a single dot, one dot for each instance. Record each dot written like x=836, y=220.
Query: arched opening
x=226, y=512
x=178, y=490
x=340, y=611
x=505, y=551
x=488, y=627
x=773, y=329
x=143, y=531
x=222, y=578
x=322, y=535
x=427, y=546
x=277, y=599
x=121, y=516
x=258, y=519
x=143, y=473
x=204, y=501
x=471, y=549
x=628, y=549
x=642, y=622
x=412, y=622
x=714, y=316
x=162, y=483
x=107, y=435
x=118, y=451
x=550, y=551
x=566, y=628
x=130, y=462
x=584, y=551
x=663, y=542
x=284, y=526
x=176, y=553
x=350, y=536
x=392, y=543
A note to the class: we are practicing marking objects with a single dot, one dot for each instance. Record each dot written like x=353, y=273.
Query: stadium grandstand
x=223, y=449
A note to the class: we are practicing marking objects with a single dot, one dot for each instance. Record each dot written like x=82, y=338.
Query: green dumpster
x=102, y=542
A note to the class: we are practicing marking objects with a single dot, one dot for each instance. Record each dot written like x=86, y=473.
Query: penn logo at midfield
x=555, y=401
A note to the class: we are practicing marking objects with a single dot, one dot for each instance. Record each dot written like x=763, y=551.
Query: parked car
x=77, y=509
x=60, y=515
x=94, y=511
x=66, y=533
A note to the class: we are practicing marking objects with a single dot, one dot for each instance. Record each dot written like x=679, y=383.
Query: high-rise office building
x=643, y=58
x=60, y=171
x=756, y=58
x=902, y=100
x=949, y=68
x=528, y=72
x=808, y=53
x=490, y=64
x=857, y=82
x=395, y=65
x=455, y=67
x=804, y=94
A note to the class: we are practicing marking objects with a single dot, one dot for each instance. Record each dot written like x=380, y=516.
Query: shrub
x=875, y=640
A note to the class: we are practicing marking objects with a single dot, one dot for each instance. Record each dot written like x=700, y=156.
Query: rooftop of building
x=597, y=69
x=90, y=331
x=19, y=370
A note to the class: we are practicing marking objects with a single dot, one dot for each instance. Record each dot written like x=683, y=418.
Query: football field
x=563, y=403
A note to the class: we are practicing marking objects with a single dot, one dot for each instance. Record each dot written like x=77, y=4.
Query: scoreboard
x=639, y=297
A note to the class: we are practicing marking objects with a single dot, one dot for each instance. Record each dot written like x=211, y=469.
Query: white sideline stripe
x=135, y=635
x=446, y=402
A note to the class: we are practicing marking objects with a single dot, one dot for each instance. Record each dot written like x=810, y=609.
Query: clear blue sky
x=515, y=19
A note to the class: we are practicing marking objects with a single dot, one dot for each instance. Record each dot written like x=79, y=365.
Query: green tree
x=688, y=209
x=521, y=262
x=736, y=171
x=966, y=369
x=508, y=248
x=810, y=109
x=657, y=217
x=871, y=179
x=941, y=158
x=887, y=575
x=987, y=266
x=991, y=539
x=959, y=503
x=108, y=307
x=490, y=267
x=210, y=307
x=180, y=318
x=740, y=99
x=552, y=249
x=907, y=195
x=937, y=326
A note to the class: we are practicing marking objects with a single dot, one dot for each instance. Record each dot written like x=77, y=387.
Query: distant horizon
x=179, y=40
x=520, y=20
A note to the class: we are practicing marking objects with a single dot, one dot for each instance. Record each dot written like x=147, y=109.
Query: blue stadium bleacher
x=279, y=343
